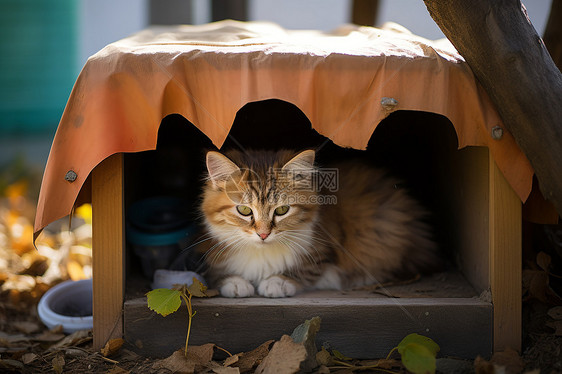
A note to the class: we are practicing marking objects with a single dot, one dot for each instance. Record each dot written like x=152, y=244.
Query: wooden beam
x=365, y=327
x=505, y=260
x=108, y=250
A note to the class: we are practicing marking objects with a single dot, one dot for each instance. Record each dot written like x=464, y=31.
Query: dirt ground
x=27, y=346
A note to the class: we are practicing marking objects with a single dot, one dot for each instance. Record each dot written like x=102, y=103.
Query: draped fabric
x=345, y=81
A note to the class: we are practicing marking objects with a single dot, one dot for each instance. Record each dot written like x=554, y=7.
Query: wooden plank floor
x=360, y=324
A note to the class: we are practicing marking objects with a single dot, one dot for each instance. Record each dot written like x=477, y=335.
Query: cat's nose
x=263, y=235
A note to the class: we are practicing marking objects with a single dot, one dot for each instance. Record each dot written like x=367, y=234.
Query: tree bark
x=510, y=60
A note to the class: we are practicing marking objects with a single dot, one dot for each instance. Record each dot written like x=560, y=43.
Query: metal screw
x=70, y=176
x=389, y=103
x=497, y=132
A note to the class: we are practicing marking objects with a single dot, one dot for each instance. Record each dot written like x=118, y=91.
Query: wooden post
x=364, y=12
x=108, y=250
x=229, y=9
x=505, y=260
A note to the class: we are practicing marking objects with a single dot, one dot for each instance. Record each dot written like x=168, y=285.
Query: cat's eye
x=244, y=210
x=280, y=210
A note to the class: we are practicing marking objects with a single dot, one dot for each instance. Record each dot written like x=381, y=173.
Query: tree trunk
x=497, y=40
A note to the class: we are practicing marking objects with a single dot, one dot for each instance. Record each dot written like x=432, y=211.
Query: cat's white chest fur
x=256, y=262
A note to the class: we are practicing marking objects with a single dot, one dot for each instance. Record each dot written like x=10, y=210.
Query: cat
x=275, y=230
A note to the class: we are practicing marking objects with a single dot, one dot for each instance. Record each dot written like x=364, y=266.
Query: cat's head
x=260, y=197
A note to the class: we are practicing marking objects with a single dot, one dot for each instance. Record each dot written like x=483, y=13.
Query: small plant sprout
x=165, y=301
x=418, y=355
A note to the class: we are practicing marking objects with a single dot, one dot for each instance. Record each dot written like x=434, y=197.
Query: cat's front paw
x=277, y=286
x=236, y=287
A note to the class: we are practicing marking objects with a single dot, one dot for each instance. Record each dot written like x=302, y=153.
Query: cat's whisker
x=197, y=243
x=307, y=239
x=288, y=244
x=240, y=247
x=222, y=247
x=301, y=249
x=307, y=235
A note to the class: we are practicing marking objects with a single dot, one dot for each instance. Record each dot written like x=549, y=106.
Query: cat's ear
x=220, y=167
x=303, y=162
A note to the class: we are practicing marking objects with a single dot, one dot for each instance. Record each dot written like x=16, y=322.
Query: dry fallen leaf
x=225, y=369
x=22, y=234
x=247, y=361
x=11, y=365
x=58, y=363
x=27, y=327
x=555, y=313
x=75, y=270
x=323, y=357
x=536, y=284
x=118, y=370
x=76, y=338
x=284, y=358
x=305, y=334
x=198, y=357
x=176, y=363
x=197, y=289
x=57, y=329
x=3, y=277
x=112, y=347
x=48, y=337
x=544, y=261
x=481, y=366
x=201, y=354
x=75, y=353
x=557, y=326
x=212, y=292
x=28, y=358
x=510, y=360
x=7, y=339
x=231, y=360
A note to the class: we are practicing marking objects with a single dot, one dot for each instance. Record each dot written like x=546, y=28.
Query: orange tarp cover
x=207, y=73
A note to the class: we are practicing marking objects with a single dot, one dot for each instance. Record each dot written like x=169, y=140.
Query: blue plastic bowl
x=154, y=229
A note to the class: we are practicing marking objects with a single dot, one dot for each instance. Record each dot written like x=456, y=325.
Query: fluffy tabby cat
x=273, y=232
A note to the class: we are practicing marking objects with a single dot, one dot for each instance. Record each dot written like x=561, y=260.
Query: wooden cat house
x=360, y=88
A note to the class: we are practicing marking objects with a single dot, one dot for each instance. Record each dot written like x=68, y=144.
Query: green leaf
x=418, y=353
x=197, y=288
x=163, y=300
x=424, y=341
x=418, y=359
